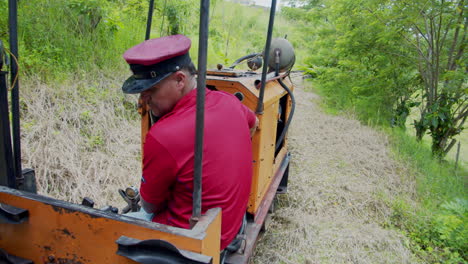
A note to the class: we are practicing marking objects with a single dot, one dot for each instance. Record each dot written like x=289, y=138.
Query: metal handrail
x=150, y=19
x=200, y=116
x=266, y=57
x=13, y=28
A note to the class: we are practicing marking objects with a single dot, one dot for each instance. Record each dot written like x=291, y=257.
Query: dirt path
x=341, y=173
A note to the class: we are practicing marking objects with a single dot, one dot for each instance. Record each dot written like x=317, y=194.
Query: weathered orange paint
x=85, y=235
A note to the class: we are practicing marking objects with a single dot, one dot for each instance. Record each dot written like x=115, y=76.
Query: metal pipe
x=7, y=176
x=270, y=77
x=266, y=57
x=150, y=19
x=13, y=27
x=200, y=117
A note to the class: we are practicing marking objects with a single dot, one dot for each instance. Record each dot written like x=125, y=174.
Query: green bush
x=57, y=37
x=452, y=225
x=3, y=20
x=437, y=224
x=89, y=36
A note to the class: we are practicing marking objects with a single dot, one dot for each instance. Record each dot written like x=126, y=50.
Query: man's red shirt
x=168, y=162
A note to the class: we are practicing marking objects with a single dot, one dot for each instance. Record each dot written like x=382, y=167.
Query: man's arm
x=159, y=174
x=255, y=126
x=252, y=119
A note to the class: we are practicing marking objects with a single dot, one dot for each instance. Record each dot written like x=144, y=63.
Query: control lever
x=131, y=195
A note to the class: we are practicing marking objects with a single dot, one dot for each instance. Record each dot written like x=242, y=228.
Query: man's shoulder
x=172, y=130
x=222, y=94
x=226, y=98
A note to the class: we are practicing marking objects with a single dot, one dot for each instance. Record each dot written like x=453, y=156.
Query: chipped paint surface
x=58, y=232
x=66, y=232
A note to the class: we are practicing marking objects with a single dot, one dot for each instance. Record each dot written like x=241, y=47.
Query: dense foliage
x=56, y=37
x=381, y=58
x=436, y=219
x=63, y=37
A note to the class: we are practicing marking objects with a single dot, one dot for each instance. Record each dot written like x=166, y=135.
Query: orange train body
x=57, y=231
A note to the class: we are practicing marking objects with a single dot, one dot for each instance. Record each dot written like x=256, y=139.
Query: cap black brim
x=133, y=85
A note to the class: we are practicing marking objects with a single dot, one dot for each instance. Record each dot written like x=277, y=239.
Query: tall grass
x=436, y=219
x=436, y=181
x=59, y=38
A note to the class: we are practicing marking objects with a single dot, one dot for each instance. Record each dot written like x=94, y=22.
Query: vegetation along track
x=341, y=176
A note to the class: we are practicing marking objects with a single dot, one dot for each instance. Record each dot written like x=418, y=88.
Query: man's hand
x=254, y=128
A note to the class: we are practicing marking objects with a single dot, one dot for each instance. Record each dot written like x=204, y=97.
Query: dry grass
x=82, y=139
x=340, y=175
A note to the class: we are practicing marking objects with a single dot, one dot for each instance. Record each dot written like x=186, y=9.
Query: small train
x=39, y=229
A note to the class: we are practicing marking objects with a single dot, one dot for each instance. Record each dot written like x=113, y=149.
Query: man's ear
x=180, y=78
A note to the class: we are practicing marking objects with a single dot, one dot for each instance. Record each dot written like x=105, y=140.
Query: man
x=165, y=78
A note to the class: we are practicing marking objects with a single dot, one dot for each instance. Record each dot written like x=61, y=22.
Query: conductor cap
x=153, y=60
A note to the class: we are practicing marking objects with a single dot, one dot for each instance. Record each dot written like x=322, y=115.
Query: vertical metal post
x=7, y=176
x=13, y=26
x=150, y=19
x=456, y=157
x=266, y=56
x=200, y=119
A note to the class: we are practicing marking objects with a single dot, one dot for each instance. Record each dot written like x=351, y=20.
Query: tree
x=372, y=55
x=437, y=30
x=359, y=62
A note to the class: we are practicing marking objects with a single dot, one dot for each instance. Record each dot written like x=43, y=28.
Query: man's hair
x=190, y=68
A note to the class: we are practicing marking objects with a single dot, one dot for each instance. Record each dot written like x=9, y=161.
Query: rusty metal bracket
x=12, y=215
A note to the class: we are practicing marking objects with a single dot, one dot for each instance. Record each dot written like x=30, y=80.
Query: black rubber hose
x=243, y=58
x=291, y=114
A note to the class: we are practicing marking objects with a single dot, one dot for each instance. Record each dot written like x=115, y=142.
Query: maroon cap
x=156, y=50
x=154, y=60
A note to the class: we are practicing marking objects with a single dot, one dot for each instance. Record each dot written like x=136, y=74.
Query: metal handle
x=12, y=215
x=157, y=251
